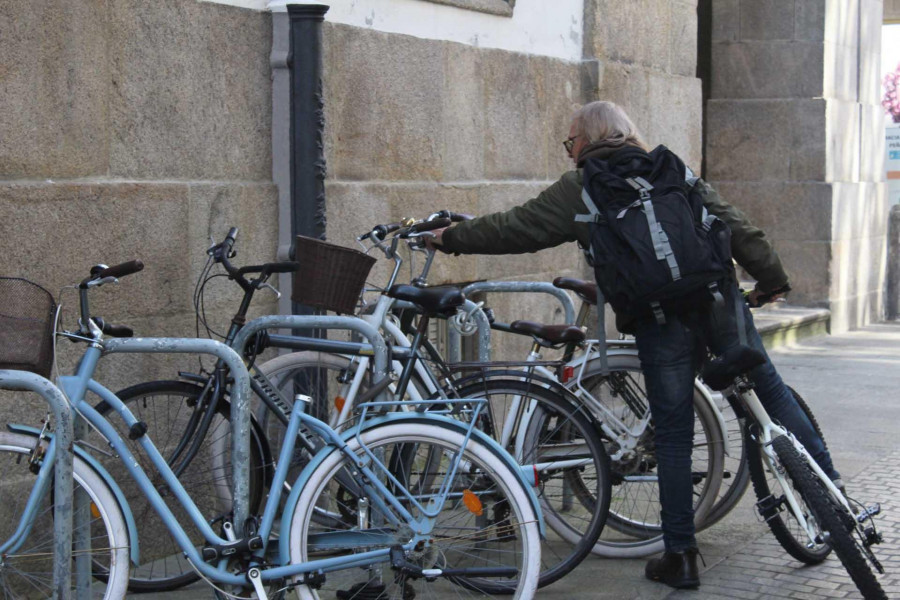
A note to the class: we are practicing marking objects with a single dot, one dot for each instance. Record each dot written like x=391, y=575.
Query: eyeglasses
x=569, y=143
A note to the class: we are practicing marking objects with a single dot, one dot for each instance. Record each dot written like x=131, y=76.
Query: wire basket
x=27, y=312
x=330, y=276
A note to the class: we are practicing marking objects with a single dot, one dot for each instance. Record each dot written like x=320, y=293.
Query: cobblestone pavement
x=763, y=570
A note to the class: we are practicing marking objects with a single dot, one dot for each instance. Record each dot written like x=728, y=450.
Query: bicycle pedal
x=868, y=512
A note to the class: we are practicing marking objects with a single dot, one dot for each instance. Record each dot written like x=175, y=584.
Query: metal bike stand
x=62, y=475
x=240, y=402
x=454, y=352
x=380, y=360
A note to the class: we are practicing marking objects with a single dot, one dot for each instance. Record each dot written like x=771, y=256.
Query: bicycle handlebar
x=424, y=226
x=454, y=217
x=268, y=268
x=122, y=269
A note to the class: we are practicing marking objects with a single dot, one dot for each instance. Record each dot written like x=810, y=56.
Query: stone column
x=795, y=139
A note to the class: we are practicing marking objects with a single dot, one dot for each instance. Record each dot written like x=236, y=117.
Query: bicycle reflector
x=472, y=502
x=339, y=402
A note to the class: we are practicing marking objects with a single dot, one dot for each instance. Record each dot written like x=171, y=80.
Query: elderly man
x=672, y=352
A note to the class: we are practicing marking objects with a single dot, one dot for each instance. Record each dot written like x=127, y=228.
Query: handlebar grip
x=430, y=225
x=120, y=331
x=232, y=234
x=459, y=217
x=122, y=269
x=380, y=231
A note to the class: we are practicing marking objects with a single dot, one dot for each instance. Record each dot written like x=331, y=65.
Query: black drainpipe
x=307, y=126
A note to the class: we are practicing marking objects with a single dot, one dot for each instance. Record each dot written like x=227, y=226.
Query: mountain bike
x=806, y=512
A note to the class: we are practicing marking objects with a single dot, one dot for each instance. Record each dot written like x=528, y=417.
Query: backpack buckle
x=658, y=313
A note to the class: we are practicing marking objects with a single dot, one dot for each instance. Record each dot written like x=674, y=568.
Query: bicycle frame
x=769, y=430
x=373, y=472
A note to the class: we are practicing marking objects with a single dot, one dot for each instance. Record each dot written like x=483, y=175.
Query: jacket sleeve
x=543, y=222
x=749, y=245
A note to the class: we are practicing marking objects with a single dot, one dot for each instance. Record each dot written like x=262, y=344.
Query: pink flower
x=891, y=99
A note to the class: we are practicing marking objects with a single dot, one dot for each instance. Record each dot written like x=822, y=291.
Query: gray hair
x=606, y=123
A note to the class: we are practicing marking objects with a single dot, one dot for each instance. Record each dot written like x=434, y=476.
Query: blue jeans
x=671, y=354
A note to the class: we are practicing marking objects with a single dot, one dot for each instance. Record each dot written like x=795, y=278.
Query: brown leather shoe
x=676, y=569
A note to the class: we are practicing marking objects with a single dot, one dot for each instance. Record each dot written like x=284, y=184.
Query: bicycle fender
x=290, y=504
x=107, y=478
x=707, y=396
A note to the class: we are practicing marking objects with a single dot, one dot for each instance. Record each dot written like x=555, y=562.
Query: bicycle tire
x=506, y=529
x=574, y=500
x=632, y=528
x=831, y=517
x=161, y=404
x=29, y=570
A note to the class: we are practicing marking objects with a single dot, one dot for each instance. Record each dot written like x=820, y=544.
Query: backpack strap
x=689, y=178
x=660, y=240
x=594, y=212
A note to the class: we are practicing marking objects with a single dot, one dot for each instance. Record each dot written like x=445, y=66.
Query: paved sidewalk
x=852, y=383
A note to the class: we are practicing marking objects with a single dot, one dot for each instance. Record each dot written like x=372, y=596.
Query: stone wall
x=416, y=125
x=891, y=11
x=800, y=147
x=134, y=130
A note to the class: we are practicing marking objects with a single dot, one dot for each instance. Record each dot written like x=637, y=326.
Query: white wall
x=542, y=27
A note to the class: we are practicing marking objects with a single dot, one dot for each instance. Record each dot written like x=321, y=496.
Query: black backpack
x=654, y=248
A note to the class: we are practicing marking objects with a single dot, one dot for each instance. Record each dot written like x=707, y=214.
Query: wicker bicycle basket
x=330, y=276
x=27, y=312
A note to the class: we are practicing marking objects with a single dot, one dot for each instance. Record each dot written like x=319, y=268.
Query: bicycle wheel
x=166, y=407
x=837, y=525
x=487, y=521
x=28, y=571
x=572, y=466
x=633, y=528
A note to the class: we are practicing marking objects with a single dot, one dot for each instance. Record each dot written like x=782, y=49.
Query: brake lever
x=274, y=291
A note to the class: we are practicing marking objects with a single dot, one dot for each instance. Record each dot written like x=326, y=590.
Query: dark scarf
x=604, y=151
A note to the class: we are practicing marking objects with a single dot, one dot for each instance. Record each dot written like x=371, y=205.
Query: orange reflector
x=339, y=402
x=473, y=503
x=95, y=512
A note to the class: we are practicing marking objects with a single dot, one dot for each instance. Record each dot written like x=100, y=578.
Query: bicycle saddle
x=433, y=301
x=720, y=372
x=554, y=334
x=586, y=290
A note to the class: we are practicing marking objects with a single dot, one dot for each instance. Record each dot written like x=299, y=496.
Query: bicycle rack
x=240, y=400
x=62, y=475
x=454, y=353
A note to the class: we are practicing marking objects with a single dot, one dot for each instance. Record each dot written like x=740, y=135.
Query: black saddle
x=432, y=301
x=720, y=372
x=552, y=334
x=586, y=290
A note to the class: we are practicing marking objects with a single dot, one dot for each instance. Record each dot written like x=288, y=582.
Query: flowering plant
x=891, y=99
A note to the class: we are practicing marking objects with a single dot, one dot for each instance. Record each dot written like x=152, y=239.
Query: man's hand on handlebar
x=758, y=297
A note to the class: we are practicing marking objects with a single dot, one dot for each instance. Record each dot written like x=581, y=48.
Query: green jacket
x=549, y=220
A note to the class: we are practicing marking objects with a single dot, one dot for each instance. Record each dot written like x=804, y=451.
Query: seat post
x=421, y=330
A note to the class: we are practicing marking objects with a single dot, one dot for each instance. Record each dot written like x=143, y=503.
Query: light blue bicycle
x=401, y=505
